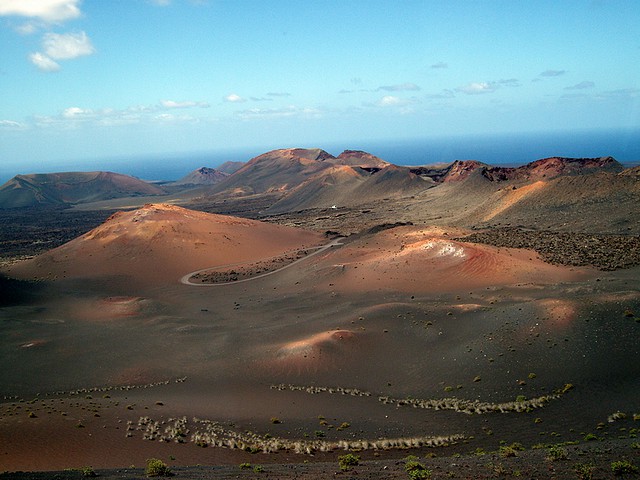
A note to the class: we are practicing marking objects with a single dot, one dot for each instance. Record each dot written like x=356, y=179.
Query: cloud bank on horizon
x=89, y=79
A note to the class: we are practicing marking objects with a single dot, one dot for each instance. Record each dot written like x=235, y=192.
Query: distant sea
x=499, y=149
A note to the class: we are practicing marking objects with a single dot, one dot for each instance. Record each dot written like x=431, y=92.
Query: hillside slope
x=71, y=188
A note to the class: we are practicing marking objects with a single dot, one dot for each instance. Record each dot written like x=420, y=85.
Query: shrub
x=584, y=470
x=245, y=466
x=556, y=452
x=258, y=469
x=157, y=468
x=88, y=472
x=622, y=467
x=275, y=420
x=506, y=451
x=348, y=461
x=415, y=469
x=590, y=437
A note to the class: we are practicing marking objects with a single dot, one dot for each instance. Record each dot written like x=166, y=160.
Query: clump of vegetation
x=245, y=466
x=348, y=461
x=584, y=470
x=88, y=472
x=319, y=433
x=157, y=468
x=622, y=467
x=258, y=469
x=415, y=469
x=521, y=398
x=589, y=437
x=275, y=420
x=557, y=452
x=344, y=425
x=532, y=376
x=511, y=450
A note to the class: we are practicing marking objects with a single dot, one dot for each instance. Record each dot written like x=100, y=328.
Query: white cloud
x=11, y=125
x=43, y=62
x=440, y=65
x=57, y=46
x=186, y=104
x=50, y=11
x=394, y=101
x=67, y=46
x=400, y=88
x=234, y=98
x=477, y=88
x=76, y=112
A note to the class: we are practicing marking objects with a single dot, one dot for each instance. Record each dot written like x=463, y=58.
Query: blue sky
x=93, y=79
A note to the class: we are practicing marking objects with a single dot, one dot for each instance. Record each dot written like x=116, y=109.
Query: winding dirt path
x=185, y=280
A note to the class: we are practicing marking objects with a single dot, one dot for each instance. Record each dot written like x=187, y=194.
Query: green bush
x=157, y=468
x=584, y=470
x=415, y=469
x=623, y=467
x=348, y=461
x=556, y=452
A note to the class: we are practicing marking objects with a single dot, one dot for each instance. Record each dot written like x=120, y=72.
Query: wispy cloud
x=439, y=65
x=66, y=46
x=402, y=87
x=43, y=62
x=477, y=88
x=275, y=113
x=446, y=93
x=234, y=98
x=392, y=101
x=581, y=86
x=49, y=11
x=260, y=99
x=11, y=125
x=185, y=104
x=76, y=117
x=279, y=94
x=509, y=82
x=552, y=73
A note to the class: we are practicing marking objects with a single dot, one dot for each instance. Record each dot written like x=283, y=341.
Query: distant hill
x=71, y=188
x=202, y=176
x=230, y=167
x=313, y=178
x=553, y=167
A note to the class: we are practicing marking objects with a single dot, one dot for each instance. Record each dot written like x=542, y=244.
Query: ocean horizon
x=511, y=149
